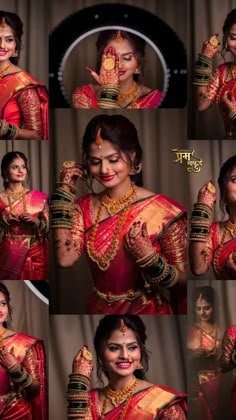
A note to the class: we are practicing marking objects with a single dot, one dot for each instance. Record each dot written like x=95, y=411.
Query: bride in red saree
x=228, y=360
x=22, y=370
x=23, y=99
x=23, y=224
x=122, y=356
x=131, y=235
x=204, y=343
x=218, y=87
x=215, y=243
x=120, y=60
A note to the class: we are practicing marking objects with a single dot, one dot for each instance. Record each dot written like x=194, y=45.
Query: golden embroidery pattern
x=30, y=106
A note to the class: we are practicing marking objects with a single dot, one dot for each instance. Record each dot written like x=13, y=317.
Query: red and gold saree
x=14, y=405
x=155, y=402
x=223, y=80
x=204, y=371
x=121, y=287
x=24, y=246
x=24, y=102
x=228, y=360
x=84, y=97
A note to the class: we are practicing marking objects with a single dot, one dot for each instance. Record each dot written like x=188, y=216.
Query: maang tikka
x=123, y=328
x=99, y=139
x=3, y=23
x=119, y=37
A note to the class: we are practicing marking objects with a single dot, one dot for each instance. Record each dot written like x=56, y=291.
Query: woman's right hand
x=207, y=194
x=109, y=71
x=69, y=174
x=211, y=46
x=82, y=362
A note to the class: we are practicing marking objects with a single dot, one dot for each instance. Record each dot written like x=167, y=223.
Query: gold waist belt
x=110, y=297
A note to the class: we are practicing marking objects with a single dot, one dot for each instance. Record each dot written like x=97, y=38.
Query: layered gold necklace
x=4, y=69
x=212, y=331
x=2, y=332
x=129, y=94
x=231, y=228
x=118, y=397
x=13, y=196
x=123, y=203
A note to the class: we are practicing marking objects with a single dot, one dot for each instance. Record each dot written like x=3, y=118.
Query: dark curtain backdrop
x=225, y=315
x=68, y=333
x=205, y=18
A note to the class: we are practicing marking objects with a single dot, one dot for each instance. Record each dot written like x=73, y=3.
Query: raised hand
x=7, y=358
x=109, y=71
x=211, y=46
x=207, y=194
x=70, y=172
x=82, y=362
x=137, y=241
x=231, y=264
x=28, y=218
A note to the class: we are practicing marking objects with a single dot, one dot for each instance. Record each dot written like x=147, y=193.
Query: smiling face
x=3, y=309
x=108, y=165
x=127, y=60
x=121, y=354
x=230, y=188
x=7, y=44
x=203, y=310
x=231, y=40
x=17, y=171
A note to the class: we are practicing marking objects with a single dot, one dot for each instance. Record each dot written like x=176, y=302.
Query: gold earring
x=139, y=366
x=137, y=71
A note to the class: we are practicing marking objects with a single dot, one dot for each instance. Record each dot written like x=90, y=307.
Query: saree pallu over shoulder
x=13, y=405
x=122, y=281
x=84, y=97
x=11, y=86
x=221, y=255
x=24, y=248
x=150, y=404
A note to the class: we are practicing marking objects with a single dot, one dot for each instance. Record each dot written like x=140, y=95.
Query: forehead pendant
x=98, y=140
x=119, y=38
x=3, y=23
x=123, y=328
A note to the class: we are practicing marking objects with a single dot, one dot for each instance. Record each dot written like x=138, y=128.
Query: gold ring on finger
x=213, y=41
x=109, y=63
x=68, y=164
x=211, y=188
x=134, y=231
x=87, y=355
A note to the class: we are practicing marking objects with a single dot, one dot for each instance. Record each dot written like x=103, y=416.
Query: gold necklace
x=3, y=71
x=114, y=206
x=118, y=397
x=103, y=259
x=231, y=228
x=214, y=330
x=2, y=332
x=129, y=94
x=16, y=196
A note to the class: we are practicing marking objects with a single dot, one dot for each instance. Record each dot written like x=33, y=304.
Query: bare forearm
x=203, y=102
x=197, y=252
x=66, y=252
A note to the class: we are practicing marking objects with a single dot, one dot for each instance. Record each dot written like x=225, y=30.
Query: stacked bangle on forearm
x=20, y=376
x=200, y=222
x=61, y=209
x=109, y=96
x=8, y=131
x=202, y=70
x=158, y=270
x=78, y=396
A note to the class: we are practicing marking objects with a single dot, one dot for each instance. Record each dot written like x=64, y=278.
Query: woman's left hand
x=7, y=358
x=28, y=218
x=231, y=264
x=230, y=101
x=137, y=241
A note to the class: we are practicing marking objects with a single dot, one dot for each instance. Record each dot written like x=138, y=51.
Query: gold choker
x=118, y=397
x=2, y=332
x=129, y=94
x=3, y=71
x=113, y=206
